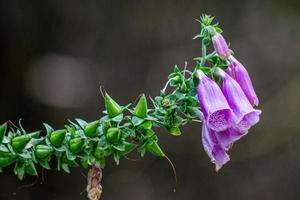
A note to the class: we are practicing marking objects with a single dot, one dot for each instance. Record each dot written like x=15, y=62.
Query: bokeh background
x=56, y=54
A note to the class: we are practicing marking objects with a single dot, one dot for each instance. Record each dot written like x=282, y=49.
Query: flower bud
x=3, y=128
x=176, y=79
x=183, y=87
x=57, y=137
x=76, y=145
x=43, y=151
x=91, y=129
x=113, y=135
x=220, y=46
x=6, y=158
x=19, y=142
x=140, y=109
x=113, y=108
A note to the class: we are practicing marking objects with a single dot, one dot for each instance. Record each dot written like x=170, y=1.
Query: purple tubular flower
x=240, y=74
x=228, y=137
x=220, y=46
x=213, y=148
x=216, y=110
x=246, y=115
x=216, y=144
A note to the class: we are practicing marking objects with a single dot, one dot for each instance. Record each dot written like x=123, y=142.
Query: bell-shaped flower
x=246, y=115
x=213, y=147
x=220, y=46
x=240, y=74
x=228, y=137
x=216, y=144
x=216, y=110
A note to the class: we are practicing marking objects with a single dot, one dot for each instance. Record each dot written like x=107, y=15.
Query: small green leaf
x=66, y=168
x=30, y=169
x=154, y=149
x=136, y=121
x=3, y=129
x=84, y=162
x=119, y=147
x=19, y=170
x=81, y=122
x=175, y=131
x=45, y=164
x=128, y=148
x=146, y=125
x=48, y=128
x=117, y=157
x=206, y=40
x=117, y=118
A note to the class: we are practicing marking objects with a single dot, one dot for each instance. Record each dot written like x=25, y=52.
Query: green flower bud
x=140, y=109
x=176, y=79
x=7, y=158
x=154, y=149
x=43, y=151
x=19, y=142
x=57, y=137
x=76, y=145
x=90, y=129
x=3, y=128
x=174, y=131
x=183, y=87
x=166, y=102
x=113, y=108
x=113, y=135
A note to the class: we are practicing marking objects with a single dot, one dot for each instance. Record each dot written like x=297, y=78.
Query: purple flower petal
x=213, y=148
x=214, y=105
x=228, y=137
x=246, y=115
x=240, y=74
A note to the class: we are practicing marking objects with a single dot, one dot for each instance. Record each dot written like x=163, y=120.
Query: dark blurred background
x=56, y=54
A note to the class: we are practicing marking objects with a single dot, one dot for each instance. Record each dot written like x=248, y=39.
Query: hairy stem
x=94, y=188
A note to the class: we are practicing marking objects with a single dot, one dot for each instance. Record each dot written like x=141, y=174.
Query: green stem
x=203, y=58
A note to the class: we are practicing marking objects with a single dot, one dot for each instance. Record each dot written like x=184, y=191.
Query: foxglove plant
x=221, y=97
